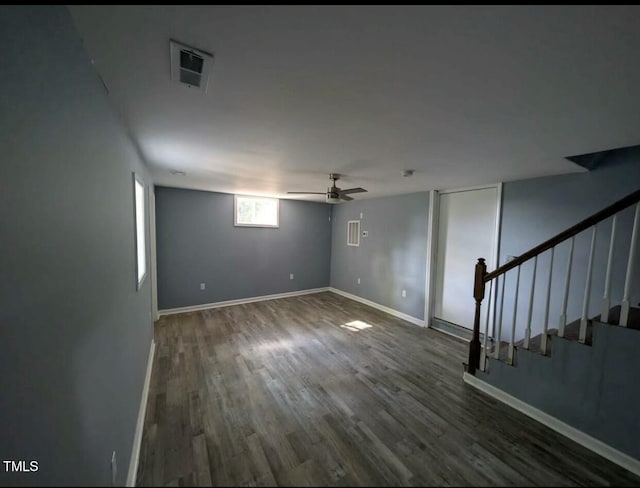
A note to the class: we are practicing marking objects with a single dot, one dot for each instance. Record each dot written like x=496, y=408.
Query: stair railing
x=478, y=351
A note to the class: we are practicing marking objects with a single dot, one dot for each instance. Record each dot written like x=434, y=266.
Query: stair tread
x=614, y=317
x=572, y=332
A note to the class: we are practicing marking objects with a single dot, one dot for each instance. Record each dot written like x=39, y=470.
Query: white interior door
x=466, y=231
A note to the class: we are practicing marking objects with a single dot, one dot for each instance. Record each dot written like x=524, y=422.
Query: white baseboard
x=544, y=418
x=227, y=303
x=137, y=438
x=388, y=310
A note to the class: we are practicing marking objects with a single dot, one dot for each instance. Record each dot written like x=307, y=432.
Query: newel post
x=478, y=294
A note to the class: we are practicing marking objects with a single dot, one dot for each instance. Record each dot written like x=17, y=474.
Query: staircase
x=580, y=374
x=571, y=333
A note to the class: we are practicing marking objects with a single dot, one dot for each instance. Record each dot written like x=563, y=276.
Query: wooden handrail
x=567, y=234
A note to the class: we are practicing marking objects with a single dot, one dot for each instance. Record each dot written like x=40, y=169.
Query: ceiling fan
x=333, y=193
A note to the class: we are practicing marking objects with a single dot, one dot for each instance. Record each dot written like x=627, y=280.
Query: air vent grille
x=353, y=233
x=191, y=68
x=190, y=78
x=191, y=61
x=190, y=65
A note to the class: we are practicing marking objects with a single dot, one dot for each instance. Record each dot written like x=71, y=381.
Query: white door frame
x=432, y=242
x=154, y=260
x=432, y=239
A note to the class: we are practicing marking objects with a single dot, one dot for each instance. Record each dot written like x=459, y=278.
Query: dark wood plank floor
x=284, y=392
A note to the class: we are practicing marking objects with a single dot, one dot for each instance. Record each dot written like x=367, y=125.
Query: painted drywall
x=537, y=209
x=592, y=388
x=74, y=331
x=391, y=258
x=197, y=242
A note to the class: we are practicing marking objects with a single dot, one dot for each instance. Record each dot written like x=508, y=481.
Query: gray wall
x=198, y=243
x=535, y=210
x=74, y=332
x=392, y=257
x=594, y=389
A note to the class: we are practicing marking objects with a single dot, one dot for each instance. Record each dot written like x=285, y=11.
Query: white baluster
x=567, y=281
x=543, y=343
x=527, y=332
x=483, y=357
x=582, y=336
x=624, y=312
x=606, y=299
x=515, y=314
x=498, y=337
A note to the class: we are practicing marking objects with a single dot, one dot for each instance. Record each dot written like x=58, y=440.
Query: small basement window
x=256, y=212
x=353, y=233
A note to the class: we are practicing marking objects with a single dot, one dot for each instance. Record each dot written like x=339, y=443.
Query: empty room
x=320, y=245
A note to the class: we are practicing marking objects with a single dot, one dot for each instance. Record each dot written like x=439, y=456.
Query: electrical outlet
x=358, y=280
x=114, y=469
x=404, y=293
x=361, y=215
x=203, y=286
x=290, y=276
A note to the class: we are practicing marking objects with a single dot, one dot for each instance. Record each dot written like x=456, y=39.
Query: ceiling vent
x=189, y=65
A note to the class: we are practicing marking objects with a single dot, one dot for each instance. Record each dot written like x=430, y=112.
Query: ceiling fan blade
x=345, y=197
x=306, y=192
x=352, y=190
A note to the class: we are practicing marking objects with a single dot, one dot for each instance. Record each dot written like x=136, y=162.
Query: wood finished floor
x=278, y=393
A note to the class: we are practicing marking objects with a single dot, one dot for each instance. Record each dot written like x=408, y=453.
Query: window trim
x=268, y=226
x=349, y=222
x=137, y=179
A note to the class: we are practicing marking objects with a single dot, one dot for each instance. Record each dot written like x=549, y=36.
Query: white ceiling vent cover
x=189, y=65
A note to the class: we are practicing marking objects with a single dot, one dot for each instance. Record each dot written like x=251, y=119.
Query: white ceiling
x=463, y=95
